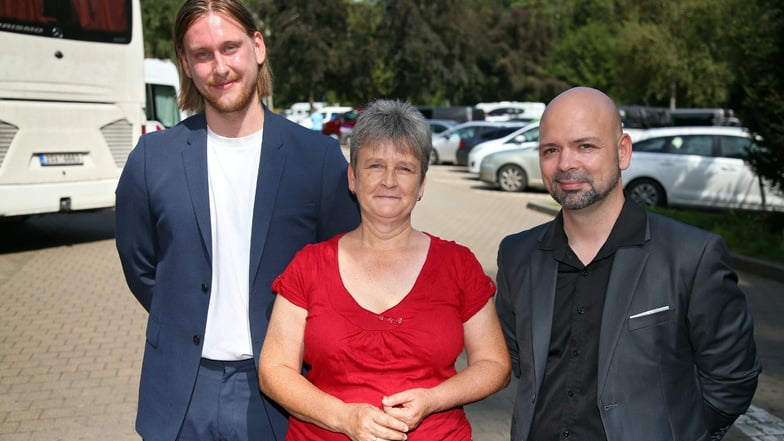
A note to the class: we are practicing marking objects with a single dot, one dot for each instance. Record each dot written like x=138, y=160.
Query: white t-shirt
x=232, y=168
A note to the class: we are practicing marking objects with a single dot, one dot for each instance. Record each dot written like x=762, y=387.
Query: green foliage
x=758, y=234
x=521, y=40
x=758, y=33
x=674, y=54
x=157, y=21
x=585, y=57
x=303, y=44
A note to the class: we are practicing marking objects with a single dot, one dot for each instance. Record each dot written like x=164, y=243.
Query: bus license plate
x=48, y=159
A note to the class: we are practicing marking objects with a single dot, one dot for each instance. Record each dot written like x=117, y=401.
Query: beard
x=231, y=103
x=578, y=199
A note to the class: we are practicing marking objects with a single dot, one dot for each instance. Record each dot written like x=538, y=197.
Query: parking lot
x=71, y=335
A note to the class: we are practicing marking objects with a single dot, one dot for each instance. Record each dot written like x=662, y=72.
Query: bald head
x=587, y=103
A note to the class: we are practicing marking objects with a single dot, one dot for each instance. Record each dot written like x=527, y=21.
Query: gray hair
x=395, y=121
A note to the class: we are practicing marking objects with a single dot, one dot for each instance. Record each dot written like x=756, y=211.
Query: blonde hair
x=190, y=99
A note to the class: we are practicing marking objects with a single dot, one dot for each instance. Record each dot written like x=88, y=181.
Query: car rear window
x=700, y=145
x=734, y=146
x=654, y=145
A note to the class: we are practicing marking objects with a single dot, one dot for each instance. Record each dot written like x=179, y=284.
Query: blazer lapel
x=194, y=158
x=273, y=160
x=627, y=267
x=544, y=273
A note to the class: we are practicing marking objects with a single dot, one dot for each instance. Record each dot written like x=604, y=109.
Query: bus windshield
x=107, y=21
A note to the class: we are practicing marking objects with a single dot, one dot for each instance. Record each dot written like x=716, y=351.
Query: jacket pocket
x=655, y=317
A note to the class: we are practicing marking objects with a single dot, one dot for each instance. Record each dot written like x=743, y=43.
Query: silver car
x=513, y=170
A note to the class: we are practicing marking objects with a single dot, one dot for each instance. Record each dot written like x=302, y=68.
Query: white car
x=516, y=139
x=697, y=167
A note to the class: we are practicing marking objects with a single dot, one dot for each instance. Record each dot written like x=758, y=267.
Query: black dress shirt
x=566, y=405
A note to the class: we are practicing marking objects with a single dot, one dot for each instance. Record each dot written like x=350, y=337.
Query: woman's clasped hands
x=365, y=422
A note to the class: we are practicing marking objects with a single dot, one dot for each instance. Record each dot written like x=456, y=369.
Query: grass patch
x=753, y=234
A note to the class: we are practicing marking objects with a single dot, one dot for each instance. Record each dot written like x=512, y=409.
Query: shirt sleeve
x=477, y=287
x=291, y=282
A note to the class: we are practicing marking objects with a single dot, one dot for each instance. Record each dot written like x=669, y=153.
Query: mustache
x=572, y=176
x=228, y=79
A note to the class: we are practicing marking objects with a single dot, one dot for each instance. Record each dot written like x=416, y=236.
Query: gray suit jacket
x=164, y=241
x=677, y=358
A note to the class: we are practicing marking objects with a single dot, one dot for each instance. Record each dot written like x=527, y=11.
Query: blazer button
x=196, y=340
x=204, y=287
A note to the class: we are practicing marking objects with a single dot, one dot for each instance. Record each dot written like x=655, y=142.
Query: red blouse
x=360, y=356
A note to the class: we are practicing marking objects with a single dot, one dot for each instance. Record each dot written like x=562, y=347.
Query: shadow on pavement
x=52, y=230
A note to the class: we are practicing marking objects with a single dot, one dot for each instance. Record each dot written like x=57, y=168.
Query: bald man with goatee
x=621, y=324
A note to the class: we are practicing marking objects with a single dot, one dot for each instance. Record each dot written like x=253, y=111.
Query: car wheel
x=512, y=178
x=647, y=192
x=434, y=157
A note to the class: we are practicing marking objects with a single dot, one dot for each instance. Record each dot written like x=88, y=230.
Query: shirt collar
x=630, y=229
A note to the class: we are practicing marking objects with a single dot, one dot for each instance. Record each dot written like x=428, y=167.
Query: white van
x=512, y=110
x=162, y=84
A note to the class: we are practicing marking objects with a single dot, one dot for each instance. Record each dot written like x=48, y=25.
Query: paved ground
x=71, y=335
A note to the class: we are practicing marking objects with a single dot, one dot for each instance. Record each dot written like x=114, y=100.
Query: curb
x=752, y=265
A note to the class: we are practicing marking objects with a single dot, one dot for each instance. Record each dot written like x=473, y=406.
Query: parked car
x=162, y=83
x=460, y=114
x=513, y=170
x=516, y=139
x=438, y=126
x=512, y=110
x=697, y=167
x=454, y=144
x=328, y=113
x=340, y=127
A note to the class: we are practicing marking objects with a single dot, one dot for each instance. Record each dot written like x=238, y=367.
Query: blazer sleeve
x=721, y=332
x=134, y=229
x=339, y=210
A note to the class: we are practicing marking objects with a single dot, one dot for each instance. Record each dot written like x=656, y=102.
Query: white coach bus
x=72, y=99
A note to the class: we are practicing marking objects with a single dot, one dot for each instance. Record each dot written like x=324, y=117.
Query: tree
x=671, y=54
x=521, y=40
x=302, y=39
x=587, y=57
x=157, y=22
x=430, y=48
x=758, y=35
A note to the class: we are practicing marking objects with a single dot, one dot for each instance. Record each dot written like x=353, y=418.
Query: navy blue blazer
x=677, y=357
x=164, y=241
